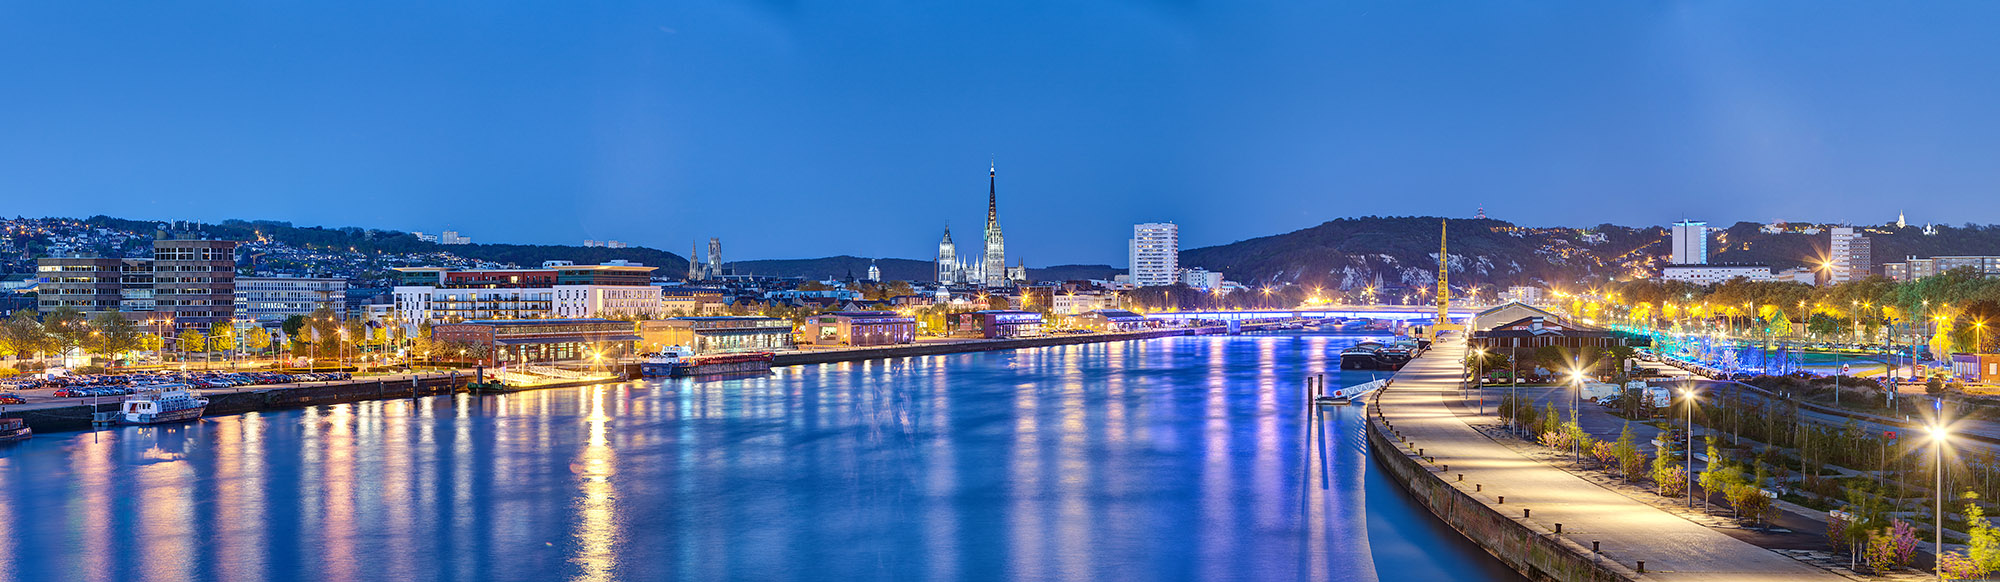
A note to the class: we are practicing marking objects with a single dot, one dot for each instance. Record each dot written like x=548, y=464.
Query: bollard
x=1642, y=566
x=1559, y=529
x=1593, y=547
x=1503, y=500
x=1420, y=451
x=1446, y=467
x=1476, y=487
x=1525, y=513
x=1461, y=476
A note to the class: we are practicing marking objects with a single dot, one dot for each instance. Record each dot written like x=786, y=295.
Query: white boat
x=167, y=404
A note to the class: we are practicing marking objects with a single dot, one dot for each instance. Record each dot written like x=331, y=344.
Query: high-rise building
x=1156, y=254
x=1853, y=256
x=194, y=279
x=1690, y=242
x=451, y=237
x=948, y=266
x=189, y=283
x=993, y=260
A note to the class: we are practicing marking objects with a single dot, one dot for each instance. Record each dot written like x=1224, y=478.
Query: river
x=1166, y=459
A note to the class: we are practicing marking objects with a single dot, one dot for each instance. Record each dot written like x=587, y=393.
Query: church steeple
x=993, y=251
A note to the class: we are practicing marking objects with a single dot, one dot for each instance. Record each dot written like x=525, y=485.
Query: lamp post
x=1688, y=395
x=1938, y=435
x=1576, y=393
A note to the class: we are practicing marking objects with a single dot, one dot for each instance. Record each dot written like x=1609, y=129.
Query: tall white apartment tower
x=1853, y=255
x=1690, y=243
x=1156, y=254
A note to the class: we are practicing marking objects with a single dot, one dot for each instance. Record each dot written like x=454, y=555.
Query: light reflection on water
x=1169, y=459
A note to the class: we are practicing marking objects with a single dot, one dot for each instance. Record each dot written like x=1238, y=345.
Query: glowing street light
x=1939, y=434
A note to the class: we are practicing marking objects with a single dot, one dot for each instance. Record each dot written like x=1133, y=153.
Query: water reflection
x=1169, y=459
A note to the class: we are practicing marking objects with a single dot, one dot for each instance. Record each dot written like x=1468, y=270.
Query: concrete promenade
x=1628, y=531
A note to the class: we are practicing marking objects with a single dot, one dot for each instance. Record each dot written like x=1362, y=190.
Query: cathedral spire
x=992, y=195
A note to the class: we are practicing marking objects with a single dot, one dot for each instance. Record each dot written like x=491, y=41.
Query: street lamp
x=1479, y=376
x=1939, y=433
x=1688, y=394
x=1576, y=378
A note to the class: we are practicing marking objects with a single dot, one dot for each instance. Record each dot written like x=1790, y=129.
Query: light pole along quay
x=1601, y=531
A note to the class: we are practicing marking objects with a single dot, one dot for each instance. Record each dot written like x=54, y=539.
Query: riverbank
x=76, y=415
x=1544, y=522
x=62, y=416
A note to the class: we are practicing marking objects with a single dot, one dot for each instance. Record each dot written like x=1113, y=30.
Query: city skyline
x=651, y=124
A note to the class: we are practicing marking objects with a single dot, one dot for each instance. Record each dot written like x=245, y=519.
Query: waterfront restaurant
x=716, y=335
x=1000, y=323
x=859, y=328
x=1109, y=320
x=538, y=340
x=1537, y=331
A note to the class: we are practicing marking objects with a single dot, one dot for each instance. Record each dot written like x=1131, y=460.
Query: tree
x=222, y=338
x=24, y=336
x=1667, y=472
x=1984, y=547
x=191, y=340
x=257, y=339
x=293, y=325
x=114, y=335
x=68, y=327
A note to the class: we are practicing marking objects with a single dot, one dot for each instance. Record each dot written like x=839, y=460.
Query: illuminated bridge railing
x=1350, y=312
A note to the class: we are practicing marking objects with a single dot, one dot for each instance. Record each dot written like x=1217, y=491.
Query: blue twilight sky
x=798, y=129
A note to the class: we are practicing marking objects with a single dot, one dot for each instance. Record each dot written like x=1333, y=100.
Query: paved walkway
x=1673, y=548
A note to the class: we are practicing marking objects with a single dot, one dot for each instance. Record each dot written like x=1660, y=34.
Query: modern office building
x=1109, y=320
x=557, y=290
x=859, y=328
x=95, y=285
x=714, y=335
x=1852, y=255
x=451, y=237
x=1000, y=323
x=189, y=282
x=527, y=341
x=1690, y=240
x=194, y=279
x=1155, y=254
x=273, y=299
x=1914, y=268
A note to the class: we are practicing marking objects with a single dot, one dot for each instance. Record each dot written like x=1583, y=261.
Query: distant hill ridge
x=1340, y=253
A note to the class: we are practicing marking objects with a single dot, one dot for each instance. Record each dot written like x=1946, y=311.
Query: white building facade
x=1690, y=240
x=1853, y=256
x=1712, y=274
x=1155, y=251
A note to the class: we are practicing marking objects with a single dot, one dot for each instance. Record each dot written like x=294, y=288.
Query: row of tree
x=1956, y=305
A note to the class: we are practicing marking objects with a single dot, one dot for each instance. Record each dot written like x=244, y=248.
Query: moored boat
x=742, y=363
x=173, y=403
x=14, y=429
x=663, y=363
